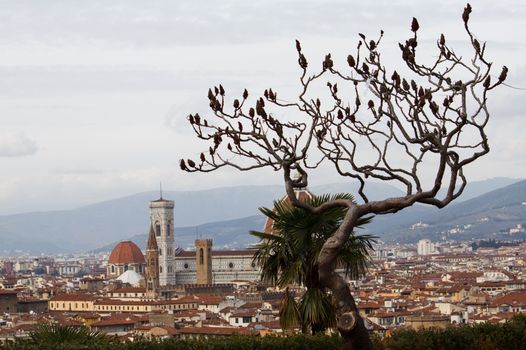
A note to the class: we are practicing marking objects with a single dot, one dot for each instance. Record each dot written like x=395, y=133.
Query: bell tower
x=152, y=266
x=203, y=255
x=162, y=222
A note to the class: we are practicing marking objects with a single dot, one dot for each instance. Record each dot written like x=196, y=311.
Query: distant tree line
x=493, y=243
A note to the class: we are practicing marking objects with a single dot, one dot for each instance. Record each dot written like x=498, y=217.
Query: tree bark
x=348, y=320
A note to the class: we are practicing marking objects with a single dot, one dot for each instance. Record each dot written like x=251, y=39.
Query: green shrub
x=508, y=336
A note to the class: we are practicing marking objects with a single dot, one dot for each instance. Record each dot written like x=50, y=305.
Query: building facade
x=226, y=266
x=425, y=247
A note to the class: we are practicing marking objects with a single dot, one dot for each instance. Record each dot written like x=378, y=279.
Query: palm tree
x=289, y=255
x=55, y=336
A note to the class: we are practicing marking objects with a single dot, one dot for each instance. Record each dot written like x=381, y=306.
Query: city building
x=425, y=247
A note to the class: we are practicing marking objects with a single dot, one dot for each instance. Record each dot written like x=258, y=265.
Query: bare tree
x=435, y=116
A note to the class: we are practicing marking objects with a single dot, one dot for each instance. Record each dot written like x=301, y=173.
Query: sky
x=94, y=94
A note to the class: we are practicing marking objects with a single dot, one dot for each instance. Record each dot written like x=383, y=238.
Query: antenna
x=161, y=189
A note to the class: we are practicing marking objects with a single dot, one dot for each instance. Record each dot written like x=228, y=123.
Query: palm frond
x=289, y=315
x=316, y=308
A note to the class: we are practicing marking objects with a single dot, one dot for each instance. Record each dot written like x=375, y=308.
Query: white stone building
x=425, y=247
x=227, y=266
x=162, y=221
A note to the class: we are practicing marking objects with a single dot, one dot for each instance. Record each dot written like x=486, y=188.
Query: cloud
x=16, y=145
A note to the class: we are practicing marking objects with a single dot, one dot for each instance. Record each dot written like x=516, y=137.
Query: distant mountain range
x=224, y=214
x=490, y=215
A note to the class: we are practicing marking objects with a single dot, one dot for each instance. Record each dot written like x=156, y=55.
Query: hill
x=220, y=213
x=490, y=215
x=88, y=227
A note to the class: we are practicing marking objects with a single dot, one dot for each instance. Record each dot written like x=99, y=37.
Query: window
x=201, y=256
x=160, y=251
x=160, y=269
x=157, y=229
x=185, y=266
x=112, y=268
x=231, y=265
x=168, y=229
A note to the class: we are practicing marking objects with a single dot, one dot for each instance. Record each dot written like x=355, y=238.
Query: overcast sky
x=94, y=94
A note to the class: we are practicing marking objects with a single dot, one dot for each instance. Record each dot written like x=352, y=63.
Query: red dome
x=126, y=252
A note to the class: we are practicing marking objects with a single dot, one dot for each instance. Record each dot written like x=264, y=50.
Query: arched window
x=112, y=268
x=201, y=256
x=157, y=229
x=168, y=229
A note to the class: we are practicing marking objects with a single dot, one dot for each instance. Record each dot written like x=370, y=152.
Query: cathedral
x=165, y=266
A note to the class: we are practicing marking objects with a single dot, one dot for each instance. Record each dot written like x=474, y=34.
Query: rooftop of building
x=126, y=252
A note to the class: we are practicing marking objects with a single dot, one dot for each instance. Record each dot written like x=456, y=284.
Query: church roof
x=302, y=194
x=126, y=252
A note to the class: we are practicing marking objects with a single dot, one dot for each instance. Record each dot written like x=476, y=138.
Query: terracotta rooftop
x=126, y=252
x=73, y=297
x=214, y=330
x=129, y=290
x=512, y=299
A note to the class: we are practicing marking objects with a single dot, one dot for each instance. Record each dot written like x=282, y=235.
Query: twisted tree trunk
x=348, y=320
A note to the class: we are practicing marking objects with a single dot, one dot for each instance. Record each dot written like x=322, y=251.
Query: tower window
x=201, y=256
x=157, y=229
x=168, y=229
x=160, y=269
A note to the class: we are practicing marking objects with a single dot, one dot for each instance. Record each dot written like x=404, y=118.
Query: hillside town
x=165, y=292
